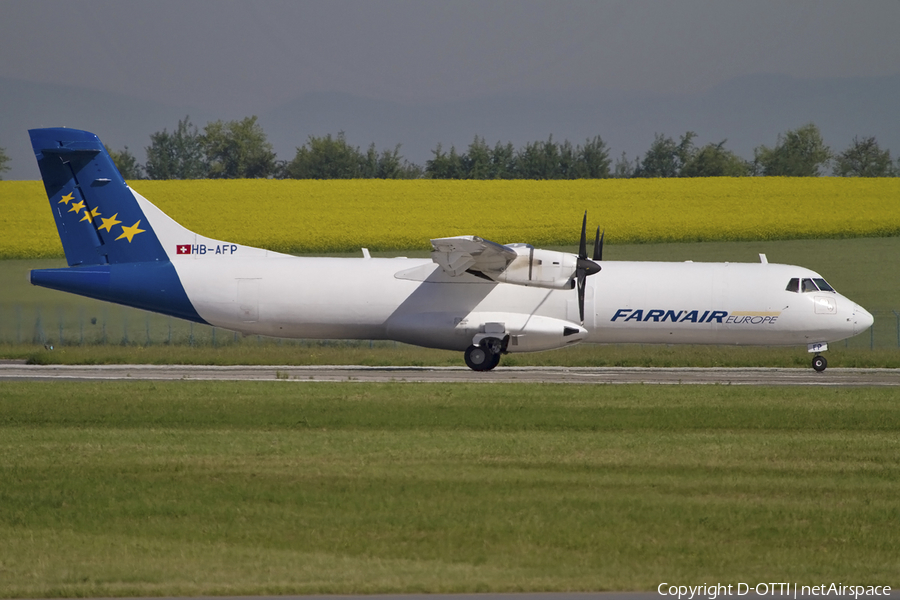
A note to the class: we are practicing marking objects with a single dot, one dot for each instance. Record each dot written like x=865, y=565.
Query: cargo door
x=248, y=300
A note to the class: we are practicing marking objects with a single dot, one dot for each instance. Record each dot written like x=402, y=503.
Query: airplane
x=473, y=295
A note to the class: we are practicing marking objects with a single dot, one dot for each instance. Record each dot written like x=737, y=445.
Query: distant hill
x=748, y=111
x=119, y=120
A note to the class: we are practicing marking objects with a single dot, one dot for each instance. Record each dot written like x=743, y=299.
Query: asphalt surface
x=834, y=377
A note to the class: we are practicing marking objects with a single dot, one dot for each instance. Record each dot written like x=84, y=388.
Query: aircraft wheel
x=819, y=363
x=481, y=359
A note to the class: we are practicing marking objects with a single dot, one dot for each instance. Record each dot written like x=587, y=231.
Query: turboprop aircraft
x=476, y=296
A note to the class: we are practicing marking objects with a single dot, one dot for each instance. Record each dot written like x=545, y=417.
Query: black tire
x=481, y=359
x=819, y=363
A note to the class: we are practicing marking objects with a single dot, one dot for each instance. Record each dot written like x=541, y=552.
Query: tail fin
x=98, y=217
x=111, y=247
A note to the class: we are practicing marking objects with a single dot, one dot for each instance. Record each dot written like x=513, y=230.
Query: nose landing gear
x=819, y=363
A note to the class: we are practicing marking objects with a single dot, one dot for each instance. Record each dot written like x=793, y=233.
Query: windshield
x=823, y=285
x=808, y=284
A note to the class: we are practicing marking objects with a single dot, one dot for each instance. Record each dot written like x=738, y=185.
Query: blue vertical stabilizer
x=98, y=218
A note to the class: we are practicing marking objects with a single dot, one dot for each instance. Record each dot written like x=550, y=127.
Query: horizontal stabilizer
x=151, y=286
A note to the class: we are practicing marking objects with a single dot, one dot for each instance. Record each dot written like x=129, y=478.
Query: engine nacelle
x=540, y=268
x=527, y=333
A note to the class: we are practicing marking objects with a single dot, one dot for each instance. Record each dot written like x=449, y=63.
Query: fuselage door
x=248, y=300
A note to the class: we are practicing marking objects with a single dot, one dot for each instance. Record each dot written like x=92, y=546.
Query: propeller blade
x=581, y=282
x=582, y=247
x=585, y=267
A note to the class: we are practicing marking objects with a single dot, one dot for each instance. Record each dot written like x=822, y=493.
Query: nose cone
x=589, y=266
x=862, y=319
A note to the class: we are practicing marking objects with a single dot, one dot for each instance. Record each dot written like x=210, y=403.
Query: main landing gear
x=481, y=359
x=486, y=355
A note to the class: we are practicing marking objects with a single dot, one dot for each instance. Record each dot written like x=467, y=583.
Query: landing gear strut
x=819, y=363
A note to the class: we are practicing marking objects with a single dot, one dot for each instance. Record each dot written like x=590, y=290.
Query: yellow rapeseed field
x=344, y=215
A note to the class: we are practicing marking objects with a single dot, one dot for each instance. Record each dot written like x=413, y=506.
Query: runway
x=834, y=377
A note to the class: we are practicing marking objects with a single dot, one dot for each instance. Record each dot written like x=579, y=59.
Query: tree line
x=240, y=149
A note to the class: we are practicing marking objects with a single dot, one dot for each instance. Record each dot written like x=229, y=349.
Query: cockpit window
x=814, y=284
x=823, y=285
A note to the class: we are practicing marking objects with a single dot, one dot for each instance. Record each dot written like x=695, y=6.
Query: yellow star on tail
x=90, y=215
x=130, y=232
x=65, y=199
x=77, y=206
x=108, y=223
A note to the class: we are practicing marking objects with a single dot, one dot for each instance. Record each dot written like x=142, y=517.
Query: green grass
x=193, y=488
x=91, y=331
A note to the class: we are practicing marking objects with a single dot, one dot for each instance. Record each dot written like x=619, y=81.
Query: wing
x=519, y=264
x=457, y=255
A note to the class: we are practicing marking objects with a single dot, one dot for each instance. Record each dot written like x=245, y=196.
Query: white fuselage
x=255, y=291
x=415, y=301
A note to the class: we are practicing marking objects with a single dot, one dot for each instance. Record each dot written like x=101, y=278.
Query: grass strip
x=195, y=488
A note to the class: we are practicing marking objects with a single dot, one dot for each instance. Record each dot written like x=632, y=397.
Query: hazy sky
x=247, y=57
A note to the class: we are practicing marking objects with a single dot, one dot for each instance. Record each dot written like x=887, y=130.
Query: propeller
x=598, y=245
x=584, y=266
